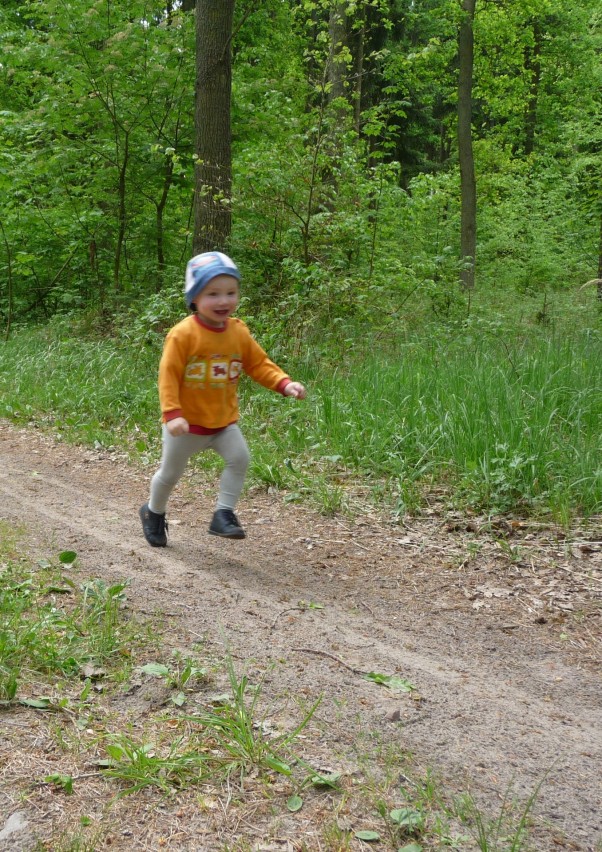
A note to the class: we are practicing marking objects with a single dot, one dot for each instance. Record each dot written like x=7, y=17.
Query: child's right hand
x=178, y=426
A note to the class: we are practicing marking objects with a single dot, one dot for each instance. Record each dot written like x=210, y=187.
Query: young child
x=203, y=358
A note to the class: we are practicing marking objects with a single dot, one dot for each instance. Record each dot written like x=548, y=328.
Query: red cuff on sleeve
x=171, y=415
x=282, y=384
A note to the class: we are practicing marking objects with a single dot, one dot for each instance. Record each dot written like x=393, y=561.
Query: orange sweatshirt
x=200, y=368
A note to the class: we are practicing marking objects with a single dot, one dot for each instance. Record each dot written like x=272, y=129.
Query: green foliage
x=139, y=765
x=241, y=737
x=37, y=635
x=345, y=203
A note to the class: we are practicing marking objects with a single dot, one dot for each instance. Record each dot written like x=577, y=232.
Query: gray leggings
x=229, y=444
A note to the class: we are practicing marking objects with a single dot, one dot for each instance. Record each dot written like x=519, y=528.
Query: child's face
x=218, y=300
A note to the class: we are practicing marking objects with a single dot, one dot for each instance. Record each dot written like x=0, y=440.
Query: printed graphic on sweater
x=196, y=371
x=214, y=372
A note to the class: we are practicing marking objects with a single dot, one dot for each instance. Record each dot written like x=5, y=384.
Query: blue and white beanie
x=202, y=268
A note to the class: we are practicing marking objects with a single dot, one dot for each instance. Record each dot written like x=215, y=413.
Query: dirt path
x=498, y=628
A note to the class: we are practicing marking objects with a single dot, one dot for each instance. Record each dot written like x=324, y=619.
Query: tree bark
x=533, y=68
x=600, y=264
x=337, y=66
x=468, y=190
x=213, y=168
x=121, y=213
x=358, y=64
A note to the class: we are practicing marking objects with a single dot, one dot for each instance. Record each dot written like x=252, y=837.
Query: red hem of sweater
x=192, y=428
x=203, y=430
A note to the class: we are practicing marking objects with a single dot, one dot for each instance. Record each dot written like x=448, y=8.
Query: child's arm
x=171, y=370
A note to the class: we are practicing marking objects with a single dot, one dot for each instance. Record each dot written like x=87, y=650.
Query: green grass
x=496, y=417
x=51, y=626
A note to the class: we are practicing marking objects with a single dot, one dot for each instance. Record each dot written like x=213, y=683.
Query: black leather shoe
x=154, y=527
x=225, y=523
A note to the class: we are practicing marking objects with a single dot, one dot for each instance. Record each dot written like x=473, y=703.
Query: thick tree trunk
x=468, y=225
x=213, y=169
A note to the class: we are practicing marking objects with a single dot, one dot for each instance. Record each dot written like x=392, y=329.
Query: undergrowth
x=496, y=415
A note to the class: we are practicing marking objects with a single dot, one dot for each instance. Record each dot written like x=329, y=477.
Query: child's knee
x=240, y=458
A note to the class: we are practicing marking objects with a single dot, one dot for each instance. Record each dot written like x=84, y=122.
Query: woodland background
x=417, y=184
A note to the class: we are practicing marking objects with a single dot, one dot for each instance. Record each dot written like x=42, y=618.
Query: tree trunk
x=121, y=213
x=161, y=205
x=213, y=168
x=9, y=283
x=533, y=68
x=358, y=63
x=337, y=66
x=468, y=190
x=600, y=264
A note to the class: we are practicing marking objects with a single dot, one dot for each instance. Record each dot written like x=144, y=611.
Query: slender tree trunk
x=9, y=283
x=121, y=213
x=161, y=205
x=358, y=62
x=468, y=224
x=337, y=68
x=213, y=169
x=600, y=264
x=533, y=68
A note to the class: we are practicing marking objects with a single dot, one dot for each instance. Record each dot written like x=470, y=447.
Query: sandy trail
x=505, y=699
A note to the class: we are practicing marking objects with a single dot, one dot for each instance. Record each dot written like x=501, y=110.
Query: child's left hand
x=295, y=389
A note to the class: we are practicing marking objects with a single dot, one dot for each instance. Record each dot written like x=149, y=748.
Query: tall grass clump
x=91, y=390
x=501, y=424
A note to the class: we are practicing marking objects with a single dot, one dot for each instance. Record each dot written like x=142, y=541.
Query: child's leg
x=176, y=452
x=232, y=447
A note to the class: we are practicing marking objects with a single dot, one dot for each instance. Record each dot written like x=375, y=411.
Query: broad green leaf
x=278, y=765
x=368, y=836
x=67, y=557
x=156, y=669
x=407, y=817
x=115, y=751
x=179, y=699
x=294, y=804
x=65, y=782
x=411, y=847
x=37, y=703
x=327, y=780
x=397, y=684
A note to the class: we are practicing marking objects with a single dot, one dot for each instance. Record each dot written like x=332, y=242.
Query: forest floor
x=497, y=625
